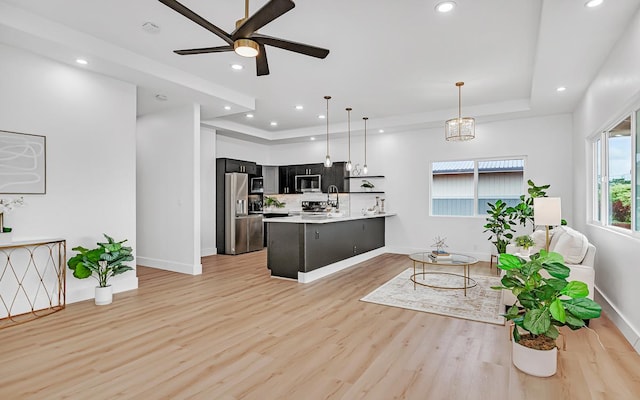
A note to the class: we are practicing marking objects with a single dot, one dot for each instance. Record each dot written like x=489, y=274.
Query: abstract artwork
x=22, y=163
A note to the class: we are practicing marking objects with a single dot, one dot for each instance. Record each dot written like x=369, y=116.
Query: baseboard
x=208, y=251
x=173, y=266
x=306, y=277
x=628, y=331
x=120, y=284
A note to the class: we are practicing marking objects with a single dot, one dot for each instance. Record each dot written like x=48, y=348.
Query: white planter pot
x=541, y=363
x=104, y=295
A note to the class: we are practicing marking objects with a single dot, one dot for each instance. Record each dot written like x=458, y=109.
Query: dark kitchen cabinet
x=286, y=179
x=335, y=175
x=231, y=165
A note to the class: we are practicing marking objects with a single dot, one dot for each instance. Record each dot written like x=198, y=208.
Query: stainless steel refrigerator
x=242, y=231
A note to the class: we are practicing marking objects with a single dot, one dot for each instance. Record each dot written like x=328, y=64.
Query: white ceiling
x=395, y=62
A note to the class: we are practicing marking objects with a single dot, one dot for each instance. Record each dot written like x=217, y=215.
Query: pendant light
x=458, y=129
x=327, y=160
x=349, y=135
x=365, y=169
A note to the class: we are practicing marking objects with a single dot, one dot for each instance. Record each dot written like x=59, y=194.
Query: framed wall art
x=22, y=163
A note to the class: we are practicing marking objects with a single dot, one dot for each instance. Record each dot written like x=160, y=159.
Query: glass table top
x=454, y=258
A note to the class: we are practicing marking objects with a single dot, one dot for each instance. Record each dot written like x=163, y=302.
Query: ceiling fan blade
x=262, y=68
x=263, y=16
x=204, y=50
x=301, y=48
x=181, y=9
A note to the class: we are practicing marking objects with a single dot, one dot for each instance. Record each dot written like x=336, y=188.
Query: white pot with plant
x=7, y=205
x=525, y=242
x=102, y=263
x=543, y=305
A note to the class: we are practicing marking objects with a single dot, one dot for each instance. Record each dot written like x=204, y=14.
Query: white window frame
x=476, y=176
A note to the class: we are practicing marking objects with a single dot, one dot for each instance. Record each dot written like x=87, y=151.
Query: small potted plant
x=525, y=242
x=546, y=301
x=270, y=202
x=102, y=263
x=7, y=205
x=366, y=185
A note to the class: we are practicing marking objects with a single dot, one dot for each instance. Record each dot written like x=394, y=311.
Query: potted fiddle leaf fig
x=499, y=223
x=102, y=263
x=546, y=301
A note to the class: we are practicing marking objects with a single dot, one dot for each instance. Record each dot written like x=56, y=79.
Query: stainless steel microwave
x=307, y=183
x=257, y=185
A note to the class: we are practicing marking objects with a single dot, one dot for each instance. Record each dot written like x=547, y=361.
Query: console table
x=32, y=279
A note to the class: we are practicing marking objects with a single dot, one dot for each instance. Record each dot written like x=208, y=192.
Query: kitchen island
x=307, y=248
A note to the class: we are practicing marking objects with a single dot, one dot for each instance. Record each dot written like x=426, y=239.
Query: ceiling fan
x=244, y=40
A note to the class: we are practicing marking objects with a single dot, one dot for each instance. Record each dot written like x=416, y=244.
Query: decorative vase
x=104, y=295
x=540, y=363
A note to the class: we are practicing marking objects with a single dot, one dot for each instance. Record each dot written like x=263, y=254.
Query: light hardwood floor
x=236, y=333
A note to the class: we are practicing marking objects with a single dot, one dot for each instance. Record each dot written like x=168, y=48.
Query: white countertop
x=298, y=219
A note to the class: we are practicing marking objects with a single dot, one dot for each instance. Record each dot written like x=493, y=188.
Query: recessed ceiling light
x=227, y=108
x=445, y=6
x=312, y=138
x=249, y=115
x=593, y=3
x=381, y=131
x=161, y=97
x=82, y=61
x=299, y=107
x=150, y=27
x=237, y=67
x=321, y=116
x=561, y=89
x=273, y=123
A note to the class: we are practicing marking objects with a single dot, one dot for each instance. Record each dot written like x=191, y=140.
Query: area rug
x=481, y=303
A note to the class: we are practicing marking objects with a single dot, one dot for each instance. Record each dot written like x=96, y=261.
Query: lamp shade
x=547, y=211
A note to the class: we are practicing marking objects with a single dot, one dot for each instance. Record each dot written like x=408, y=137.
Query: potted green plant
x=273, y=202
x=366, y=185
x=102, y=263
x=545, y=301
x=524, y=242
x=499, y=223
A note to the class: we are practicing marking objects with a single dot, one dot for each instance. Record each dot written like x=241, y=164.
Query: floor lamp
x=547, y=211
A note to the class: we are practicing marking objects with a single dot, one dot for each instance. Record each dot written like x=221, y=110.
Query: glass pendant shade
x=461, y=128
x=365, y=169
x=457, y=129
x=328, y=162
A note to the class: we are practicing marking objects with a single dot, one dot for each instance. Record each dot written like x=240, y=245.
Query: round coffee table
x=455, y=260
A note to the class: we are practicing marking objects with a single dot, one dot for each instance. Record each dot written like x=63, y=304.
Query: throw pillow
x=571, y=244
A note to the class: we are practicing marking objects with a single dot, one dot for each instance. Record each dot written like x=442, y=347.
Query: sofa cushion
x=571, y=244
x=539, y=237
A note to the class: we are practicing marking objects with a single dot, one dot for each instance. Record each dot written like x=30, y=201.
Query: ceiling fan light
x=245, y=47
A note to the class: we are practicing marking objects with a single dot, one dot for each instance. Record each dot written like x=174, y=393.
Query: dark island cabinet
x=296, y=247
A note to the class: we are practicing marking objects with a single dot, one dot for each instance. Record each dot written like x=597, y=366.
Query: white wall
x=168, y=206
x=89, y=122
x=614, y=92
x=242, y=150
x=207, y=191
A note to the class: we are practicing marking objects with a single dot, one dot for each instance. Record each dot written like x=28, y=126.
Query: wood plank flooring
x=236, y=333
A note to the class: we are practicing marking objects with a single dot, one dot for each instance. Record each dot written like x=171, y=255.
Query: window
x=463, y=188
x=616, y=153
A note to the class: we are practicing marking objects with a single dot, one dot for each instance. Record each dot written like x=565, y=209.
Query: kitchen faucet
x=333, y=189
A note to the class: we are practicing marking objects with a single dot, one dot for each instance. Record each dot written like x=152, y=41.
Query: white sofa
x=579, y=255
